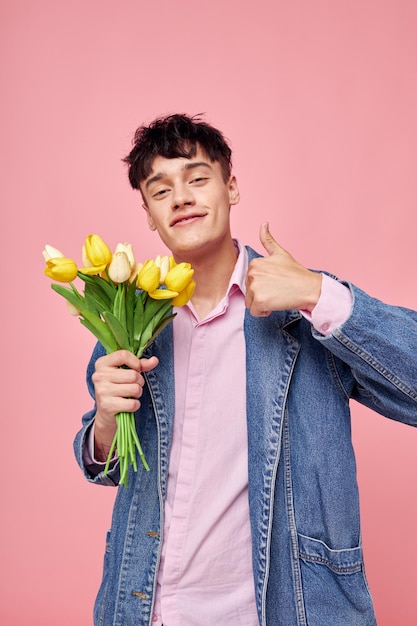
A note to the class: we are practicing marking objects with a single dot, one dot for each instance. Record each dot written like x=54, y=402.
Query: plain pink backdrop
x=319, y=101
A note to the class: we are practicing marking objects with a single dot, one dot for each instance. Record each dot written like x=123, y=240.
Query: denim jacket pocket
x=346, y=561
x=334, y=586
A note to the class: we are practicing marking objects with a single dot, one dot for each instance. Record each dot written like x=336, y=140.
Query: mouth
x=183, y=220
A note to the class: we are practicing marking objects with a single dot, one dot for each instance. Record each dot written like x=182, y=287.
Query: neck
x=212, y=276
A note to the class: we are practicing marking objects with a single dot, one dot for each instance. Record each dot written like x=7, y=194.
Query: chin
x=190, y=249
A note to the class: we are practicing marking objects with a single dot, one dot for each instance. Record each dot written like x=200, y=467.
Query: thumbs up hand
x=278, y=282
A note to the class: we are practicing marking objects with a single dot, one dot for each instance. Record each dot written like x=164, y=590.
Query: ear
x=234, y=195
x=151, y=223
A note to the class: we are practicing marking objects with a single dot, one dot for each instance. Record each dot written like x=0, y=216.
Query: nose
x=182, y=196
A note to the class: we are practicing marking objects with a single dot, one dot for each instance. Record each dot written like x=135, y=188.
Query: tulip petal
x=93, y=270
x=50, y=252
x=162, y=294
x=185, y=295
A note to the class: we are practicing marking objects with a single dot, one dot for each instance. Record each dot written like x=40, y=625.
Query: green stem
x=137, y=442
x=110, y=454
x=127, y=441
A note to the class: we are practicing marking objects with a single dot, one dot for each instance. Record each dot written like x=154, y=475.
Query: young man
x=249, y=514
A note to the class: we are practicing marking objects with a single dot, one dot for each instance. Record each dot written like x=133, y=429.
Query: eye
x=160, y=193
x=198, y=180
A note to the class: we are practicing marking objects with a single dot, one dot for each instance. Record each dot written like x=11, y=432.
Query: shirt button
x=155, y=618
x=325, y=326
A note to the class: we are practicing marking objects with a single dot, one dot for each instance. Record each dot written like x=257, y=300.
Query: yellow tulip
x=119, y=268
x=162, y=294
x=52, y=253
x=185, y=295
x=61, y=269
x=148, y=276
x=163, y=262
x=178, y=278
x=97, y=251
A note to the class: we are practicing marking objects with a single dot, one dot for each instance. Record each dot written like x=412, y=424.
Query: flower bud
x=163, y=262
x=128, y=250
x=119, y=268
x=51, y=253
x=148, y=276
x=61, y=269
x=97, y=251
x=96, y=255
x=179, y=276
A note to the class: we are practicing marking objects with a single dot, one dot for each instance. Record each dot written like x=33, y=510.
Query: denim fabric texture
x=303, y=495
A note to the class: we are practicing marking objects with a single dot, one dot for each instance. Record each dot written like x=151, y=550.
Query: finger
x=146, y=365
x=267, y=240
x=257, y=313
x=117, y=359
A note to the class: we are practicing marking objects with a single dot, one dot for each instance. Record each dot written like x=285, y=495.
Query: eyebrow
x=187, y=166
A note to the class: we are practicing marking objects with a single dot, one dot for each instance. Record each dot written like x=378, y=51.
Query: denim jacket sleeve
x=92, y=472
x=378, y=343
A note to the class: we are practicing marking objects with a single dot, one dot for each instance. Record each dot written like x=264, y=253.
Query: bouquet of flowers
x=125, y=305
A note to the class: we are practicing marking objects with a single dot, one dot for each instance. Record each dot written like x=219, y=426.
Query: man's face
x=188, y=202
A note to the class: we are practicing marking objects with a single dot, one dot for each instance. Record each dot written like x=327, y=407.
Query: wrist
x=314, y=291
x=103, y=439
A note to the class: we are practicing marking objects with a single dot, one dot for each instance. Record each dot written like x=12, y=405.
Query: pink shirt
x=206, y=563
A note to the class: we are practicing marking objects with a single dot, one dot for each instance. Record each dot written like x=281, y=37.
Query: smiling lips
x=186, y=219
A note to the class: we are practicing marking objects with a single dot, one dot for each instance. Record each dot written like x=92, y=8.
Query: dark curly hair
x=175, y=136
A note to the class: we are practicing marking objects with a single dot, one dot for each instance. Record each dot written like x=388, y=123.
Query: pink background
x=319, y=100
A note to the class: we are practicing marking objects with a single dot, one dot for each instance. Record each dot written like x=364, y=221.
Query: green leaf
x=130, y=309
x=146, y=336
x=138, y=321
x=70, y=295
x=95, y=291
x=156, y=332
x=119, y=305
x=94, y=305
x=159, y=315
x=118, y=331
x=99, y=329
x=152, y=309
x=108, y=288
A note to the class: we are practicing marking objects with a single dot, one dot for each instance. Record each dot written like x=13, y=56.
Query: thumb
x=267, y=240
x=148, y=364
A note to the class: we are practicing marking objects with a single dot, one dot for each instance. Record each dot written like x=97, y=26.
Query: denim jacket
x=303, y=496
